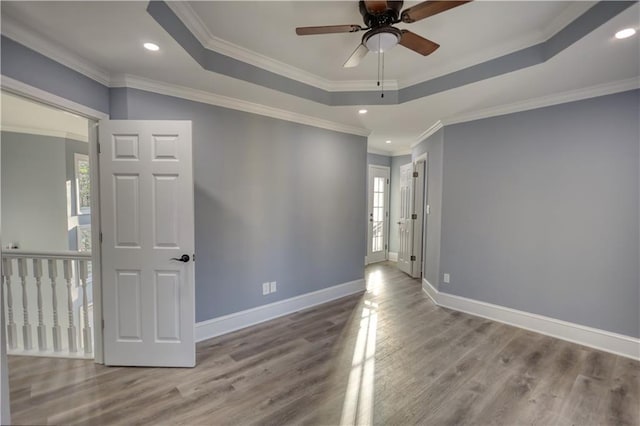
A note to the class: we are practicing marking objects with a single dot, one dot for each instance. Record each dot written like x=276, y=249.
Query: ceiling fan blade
x=417, y=43
x=375, y=6
x=357, y=55
x=428, y=8
x=328, y=29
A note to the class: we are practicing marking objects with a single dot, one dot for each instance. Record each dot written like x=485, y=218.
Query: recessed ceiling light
x=627, y=32
x=362, y=111
x=151, y=46
x=388, y=142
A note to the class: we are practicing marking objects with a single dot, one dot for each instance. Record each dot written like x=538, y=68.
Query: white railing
x=45, y=304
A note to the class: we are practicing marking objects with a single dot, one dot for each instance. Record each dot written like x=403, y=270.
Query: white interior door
x=405, y=223
x=147, y=222
x=410, y=223
x=377, y=245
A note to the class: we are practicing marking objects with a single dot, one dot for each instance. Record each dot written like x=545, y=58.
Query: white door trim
x=425, y=211
x=418, y=208
x=387, y=171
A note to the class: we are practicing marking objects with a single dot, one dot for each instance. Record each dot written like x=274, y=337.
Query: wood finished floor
x=389, y=356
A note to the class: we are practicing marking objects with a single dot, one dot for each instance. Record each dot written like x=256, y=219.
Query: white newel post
x=42, y=331
x=26, y=326
x=56, y=329
x=86, y=329
x=12, y=336
x=71, y=330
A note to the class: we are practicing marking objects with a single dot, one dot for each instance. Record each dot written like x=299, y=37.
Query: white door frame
x=19, y=88
x=387, y=170
x=420, y=229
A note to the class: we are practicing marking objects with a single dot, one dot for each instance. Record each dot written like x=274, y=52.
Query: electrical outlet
x=273, y=286
x=447, y=278
x=265, y=288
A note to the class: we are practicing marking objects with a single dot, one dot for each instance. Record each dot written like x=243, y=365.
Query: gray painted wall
x=30, y=67
x=394, y=214
x=378, y=160
x=34, y=194
x=540, y=211
x=274, y=201
x=432, y=231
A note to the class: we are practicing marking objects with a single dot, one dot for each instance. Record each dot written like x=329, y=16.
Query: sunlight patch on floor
x=358, y=403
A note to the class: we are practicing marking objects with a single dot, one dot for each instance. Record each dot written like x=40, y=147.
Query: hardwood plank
x=389, y=356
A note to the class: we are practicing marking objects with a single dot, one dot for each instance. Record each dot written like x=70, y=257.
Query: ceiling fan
x=379, y=17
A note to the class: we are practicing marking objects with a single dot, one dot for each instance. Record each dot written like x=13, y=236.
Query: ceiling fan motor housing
x=385, y=16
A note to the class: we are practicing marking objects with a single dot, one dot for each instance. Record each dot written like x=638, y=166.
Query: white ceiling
x=105, y=39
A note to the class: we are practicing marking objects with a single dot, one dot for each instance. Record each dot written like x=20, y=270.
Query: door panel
x=146, y=182
x=411, y=218
x=378, y=214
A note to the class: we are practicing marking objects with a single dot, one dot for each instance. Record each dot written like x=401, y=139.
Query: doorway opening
x=48, y=201
x=378, y=207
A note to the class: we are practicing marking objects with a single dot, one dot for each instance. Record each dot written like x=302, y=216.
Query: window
x=84, y=237
x=83, y=190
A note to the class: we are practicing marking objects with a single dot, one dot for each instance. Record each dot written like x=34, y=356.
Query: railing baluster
x=26, y=325
x=42, y=331
x=71, y=330
x=86, y=329
x=12, y=334
x=56, y=330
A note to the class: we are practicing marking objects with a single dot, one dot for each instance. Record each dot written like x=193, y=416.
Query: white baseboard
x=430, y=290
x=393, y=256
x=217, y=326
x=607, y=341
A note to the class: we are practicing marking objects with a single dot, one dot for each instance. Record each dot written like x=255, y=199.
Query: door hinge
x=99, y=149
x=414, y=216
x=193, y=257
x=385, y=246
x=100, y=237
x=103, y=324
x=413, y=258
x=415, y=174
x=387, y=181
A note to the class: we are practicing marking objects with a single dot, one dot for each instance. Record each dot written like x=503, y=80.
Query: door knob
x=184, y=258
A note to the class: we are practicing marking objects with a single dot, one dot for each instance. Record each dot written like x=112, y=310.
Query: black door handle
x=184, y=258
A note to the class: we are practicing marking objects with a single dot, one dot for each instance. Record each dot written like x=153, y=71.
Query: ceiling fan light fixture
x=382, y=41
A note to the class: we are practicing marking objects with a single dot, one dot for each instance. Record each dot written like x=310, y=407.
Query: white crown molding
x=430, y=131
x=378, y=152
x=31, y=92
x=218, y=326
x=573, y=11
x=615, y=343
x=42, y=45
x=232, y=103
x=44, y=132
x=567, y=16
x=199, y=29
x=549, y=100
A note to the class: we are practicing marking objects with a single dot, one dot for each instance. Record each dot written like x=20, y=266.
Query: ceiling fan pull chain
x=378, y=61
x=382, y=89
